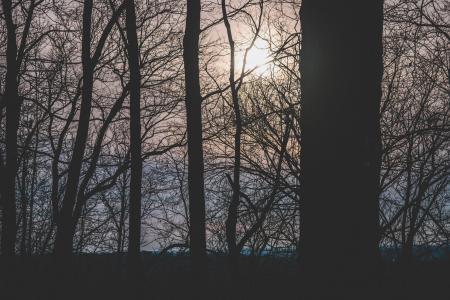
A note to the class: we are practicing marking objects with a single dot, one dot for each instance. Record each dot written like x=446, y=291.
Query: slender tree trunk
x=12, y=100
x=134, y=237
x=231, y=221
x=29, y=244
x=32, y=193
x=24, y=204
x=341, y=67
x=407, y=196
x=65, y=231
x=197, y=234
x=67, y=217
x=135, y=132
x=121, y=228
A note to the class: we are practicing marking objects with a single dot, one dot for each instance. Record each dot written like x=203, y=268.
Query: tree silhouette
x=11, y=101
x=234, y=245
x=68, y=218
x=134, y=243
x=341, y=68
x=134, y=237
x=197, y=234
x=15, y=54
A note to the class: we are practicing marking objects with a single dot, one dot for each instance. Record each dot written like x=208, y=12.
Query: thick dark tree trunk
x=12, y=102
x=341, y=67
x=197, y=234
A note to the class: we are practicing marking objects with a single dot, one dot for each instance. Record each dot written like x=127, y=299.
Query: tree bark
x=193, y=99
x=341, y=67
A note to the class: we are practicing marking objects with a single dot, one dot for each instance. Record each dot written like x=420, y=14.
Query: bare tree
x=12, y=102
x=232, y=217
x=66, y=221
x=134, y=237
x=197, y=234
x=415, y=128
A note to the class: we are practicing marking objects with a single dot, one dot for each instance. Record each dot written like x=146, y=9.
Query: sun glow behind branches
x=258, y=58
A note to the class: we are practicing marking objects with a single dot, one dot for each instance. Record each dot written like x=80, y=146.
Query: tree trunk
x=12, y=100
x=23, y=204
x=134, y=237
x=197, y=233
x=341, y=67
x=32, y=194
x=65, y=232
x=121, y=227
x=67, y=218
x=232, y=217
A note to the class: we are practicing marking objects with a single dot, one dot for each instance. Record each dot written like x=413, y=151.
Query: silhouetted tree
x=235, y=247
x=15, y=54
x=135, y=132
x=415, y=128
x=64, y=234
x=67, y=218
x=134, y=237
x=12, y=103
x=197, y=234
x=341, y=67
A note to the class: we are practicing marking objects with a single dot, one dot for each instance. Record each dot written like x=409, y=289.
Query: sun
x=257, y=58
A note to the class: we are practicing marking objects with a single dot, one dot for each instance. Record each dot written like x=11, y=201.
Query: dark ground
x=168, y=277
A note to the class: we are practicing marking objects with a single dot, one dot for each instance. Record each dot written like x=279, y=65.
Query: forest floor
x=169, y=277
